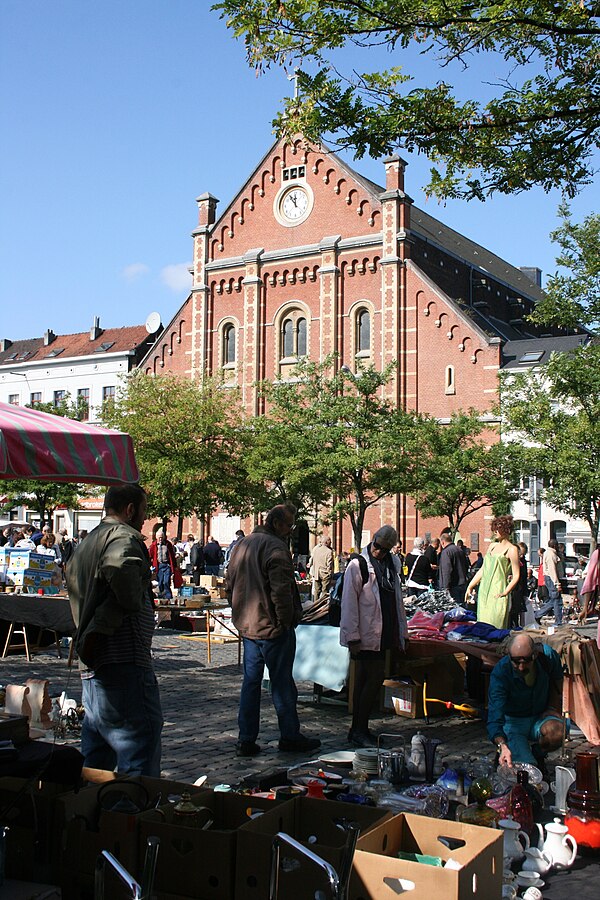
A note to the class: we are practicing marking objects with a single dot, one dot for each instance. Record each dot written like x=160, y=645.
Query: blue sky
x=115, y=116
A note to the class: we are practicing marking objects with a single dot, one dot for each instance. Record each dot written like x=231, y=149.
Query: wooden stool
x=24, y=646
x=56, y=639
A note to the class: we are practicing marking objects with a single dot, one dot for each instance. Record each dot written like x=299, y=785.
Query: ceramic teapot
x=537, y=861
x=559, y=845
x=516, y=841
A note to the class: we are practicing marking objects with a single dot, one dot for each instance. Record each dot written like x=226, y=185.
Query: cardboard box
x=378, y=874
x=404, y=697
x=197, y=863
x=28, y=559
x=208, y=581
x=30, y=578
x=87, y=830
x=312, y=822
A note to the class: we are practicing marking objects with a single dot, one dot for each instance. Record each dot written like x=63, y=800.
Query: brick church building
x=309, y=258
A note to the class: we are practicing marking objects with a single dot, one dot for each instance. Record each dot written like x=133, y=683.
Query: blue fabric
x=123, y=720
x=212, y=570
x=164, y=581
x=278, y=655
x=459, y=614
x=481, y=630
x=514, y=707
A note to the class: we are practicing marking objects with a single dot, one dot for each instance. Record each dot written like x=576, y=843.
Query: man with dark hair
x=524, y=702
x=452, y=573
x=213, y=556
x=265, y=610
x=109, y=582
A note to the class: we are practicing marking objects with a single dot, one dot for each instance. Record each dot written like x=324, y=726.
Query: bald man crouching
x=525, y=702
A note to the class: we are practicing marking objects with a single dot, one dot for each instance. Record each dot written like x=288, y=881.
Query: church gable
x=294, y=198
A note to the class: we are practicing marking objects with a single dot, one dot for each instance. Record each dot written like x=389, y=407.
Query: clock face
x=294, y=204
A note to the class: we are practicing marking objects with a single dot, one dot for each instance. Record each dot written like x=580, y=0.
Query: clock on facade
x=293, y=205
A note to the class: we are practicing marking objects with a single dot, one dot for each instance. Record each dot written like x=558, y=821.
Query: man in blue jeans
x=525, y=702
x=109, y=581
x=266, y=608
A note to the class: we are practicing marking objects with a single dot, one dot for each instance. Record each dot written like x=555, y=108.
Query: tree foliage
x=463, y=473
x=573, y=295
x=346, y=445
x=47, y=496
x=186, y=440
x=555, y=411
x=538, y=123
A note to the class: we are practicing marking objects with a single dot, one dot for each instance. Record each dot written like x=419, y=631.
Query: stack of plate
x=365, y=761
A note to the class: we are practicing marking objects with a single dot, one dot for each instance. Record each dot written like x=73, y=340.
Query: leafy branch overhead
x=537, y=124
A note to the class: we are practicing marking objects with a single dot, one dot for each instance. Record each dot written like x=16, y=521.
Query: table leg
x=208, y=617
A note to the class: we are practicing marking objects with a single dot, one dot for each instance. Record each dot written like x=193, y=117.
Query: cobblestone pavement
x=200, y=711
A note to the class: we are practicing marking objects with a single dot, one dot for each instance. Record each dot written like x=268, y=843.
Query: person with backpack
x=373, y=620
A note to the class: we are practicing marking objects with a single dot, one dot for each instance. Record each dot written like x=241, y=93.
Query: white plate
x=338, y=758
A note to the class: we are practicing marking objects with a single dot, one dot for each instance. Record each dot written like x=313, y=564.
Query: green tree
x=554, y=411
x=47, y=496
x=345, y=441
x=538, y=123
x=573, y=295
x=186, y=439
x=461, y=471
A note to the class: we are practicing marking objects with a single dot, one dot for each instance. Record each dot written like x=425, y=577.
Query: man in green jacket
x=109, y=584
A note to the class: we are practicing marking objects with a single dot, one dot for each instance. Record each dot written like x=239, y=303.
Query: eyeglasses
x=521, y=660
x=377, y=546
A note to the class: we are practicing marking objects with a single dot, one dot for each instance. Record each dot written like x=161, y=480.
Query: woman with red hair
x=498, y=576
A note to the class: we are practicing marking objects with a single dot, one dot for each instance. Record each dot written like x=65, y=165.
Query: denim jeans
x=553, y=604
x=123, y=720
x=164, y=581
x=278, y=655
x=212, y=570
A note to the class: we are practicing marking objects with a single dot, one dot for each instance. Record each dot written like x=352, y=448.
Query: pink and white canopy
x=45, y=447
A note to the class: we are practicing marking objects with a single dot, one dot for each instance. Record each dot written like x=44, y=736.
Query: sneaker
x=246, y=748
x=301, y=744
x=362, y=739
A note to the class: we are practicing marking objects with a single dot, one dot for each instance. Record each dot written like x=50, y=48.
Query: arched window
x=363, y=331
x=294, y=336
x=449, y=386
x=228, y=345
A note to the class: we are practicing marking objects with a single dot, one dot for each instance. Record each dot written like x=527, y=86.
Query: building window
x=35, y=398
x=59, y=397
x=13, y=399
x=83, y=404
x=294, y=336
x=363, y=331
x=108, y=393
x=229, y=345
x=449, y=385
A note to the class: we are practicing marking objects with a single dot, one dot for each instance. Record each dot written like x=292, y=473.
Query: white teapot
x=537, y=861
x=516, y=841
x=559, y=845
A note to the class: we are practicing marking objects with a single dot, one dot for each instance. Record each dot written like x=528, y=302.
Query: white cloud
x=135, y=271
x=177, y=277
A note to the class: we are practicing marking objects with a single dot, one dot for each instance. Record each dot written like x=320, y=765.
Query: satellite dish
x=153, y=323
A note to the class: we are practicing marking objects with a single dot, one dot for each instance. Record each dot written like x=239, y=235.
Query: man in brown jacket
x=265, y=610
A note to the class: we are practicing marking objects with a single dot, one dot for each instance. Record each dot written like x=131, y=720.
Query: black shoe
x=246, y=748
x=301, y=744
x=362, y=739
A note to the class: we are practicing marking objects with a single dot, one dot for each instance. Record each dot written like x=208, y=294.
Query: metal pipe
x=149, y=870
x=353, y=831
x=281, y=838
x=127, y=879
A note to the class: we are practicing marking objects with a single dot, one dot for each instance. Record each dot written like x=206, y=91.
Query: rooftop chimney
x=4, y=344
x=49, y=336
x=533, y=273
x=95, y=330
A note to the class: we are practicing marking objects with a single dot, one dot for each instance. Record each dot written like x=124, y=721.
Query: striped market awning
x=45, y=447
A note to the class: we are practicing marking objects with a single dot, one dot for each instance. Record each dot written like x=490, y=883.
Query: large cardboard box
x=197, y=863
x=404, y=697
x=378, y=874
x=34, y=578
x=317, y=825
x=208, y=581
x=87, y=829
x=28, y=559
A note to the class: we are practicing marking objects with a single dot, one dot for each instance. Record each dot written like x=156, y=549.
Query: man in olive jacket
x=109, y=583
x=265, y=610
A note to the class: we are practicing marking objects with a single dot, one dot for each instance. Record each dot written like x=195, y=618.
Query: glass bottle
x=521, y=805
x=477, y=813
x=583, y=804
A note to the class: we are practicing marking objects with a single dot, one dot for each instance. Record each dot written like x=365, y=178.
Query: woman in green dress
x=498, y=576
